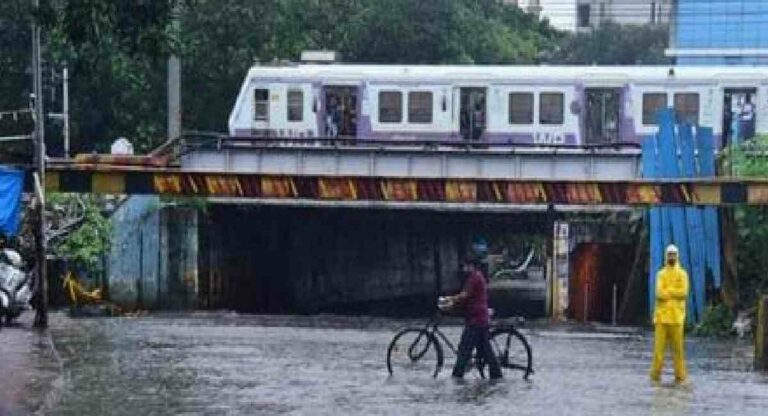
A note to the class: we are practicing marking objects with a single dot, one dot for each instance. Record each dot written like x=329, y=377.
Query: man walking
x=476, y=334
x=669, y=317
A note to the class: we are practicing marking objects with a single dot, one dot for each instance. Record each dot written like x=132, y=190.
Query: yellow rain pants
x=669, y=335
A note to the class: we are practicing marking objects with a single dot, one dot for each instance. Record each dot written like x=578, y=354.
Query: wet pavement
x=219, y=364
x=29, y=369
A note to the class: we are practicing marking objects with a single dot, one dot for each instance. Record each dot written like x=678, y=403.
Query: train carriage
x=496, y=105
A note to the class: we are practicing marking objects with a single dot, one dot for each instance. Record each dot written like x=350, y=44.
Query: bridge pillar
x=761, y=335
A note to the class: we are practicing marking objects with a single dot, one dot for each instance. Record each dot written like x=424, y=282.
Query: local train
x=510, y=105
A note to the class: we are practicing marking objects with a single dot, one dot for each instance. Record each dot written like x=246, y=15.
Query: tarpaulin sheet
x=11, y=183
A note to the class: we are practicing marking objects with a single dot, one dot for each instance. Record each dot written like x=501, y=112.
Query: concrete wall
x=282, y=260
x=153, y=257
x=132, y=269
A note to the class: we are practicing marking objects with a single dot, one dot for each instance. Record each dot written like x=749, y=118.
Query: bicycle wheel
x=512, y=350
x=413, y=351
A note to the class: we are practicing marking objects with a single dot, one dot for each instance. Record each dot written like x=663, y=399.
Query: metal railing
x=209, y=140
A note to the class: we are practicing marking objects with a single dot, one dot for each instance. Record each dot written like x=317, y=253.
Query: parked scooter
x=15, y=291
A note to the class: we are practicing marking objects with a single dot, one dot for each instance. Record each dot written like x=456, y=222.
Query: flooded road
x=29, y=368
x=232, y=365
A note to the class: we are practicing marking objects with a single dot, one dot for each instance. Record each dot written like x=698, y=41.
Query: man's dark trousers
x=476, y=337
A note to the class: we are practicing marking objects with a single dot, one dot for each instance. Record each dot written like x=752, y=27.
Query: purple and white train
x=527, y=105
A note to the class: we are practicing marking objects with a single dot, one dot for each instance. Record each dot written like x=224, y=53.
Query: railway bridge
x=297, y=225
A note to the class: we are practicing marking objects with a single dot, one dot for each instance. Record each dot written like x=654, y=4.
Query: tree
x=221, y=39
x=751, y=223
x=615, y=44
x=15, y=55
x=116, y=50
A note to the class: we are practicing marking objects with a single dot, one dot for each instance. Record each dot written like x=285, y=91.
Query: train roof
x=507, y=72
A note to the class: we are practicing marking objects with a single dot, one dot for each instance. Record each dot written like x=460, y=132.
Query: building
x=716, y=32
x=572, y=15
x=591, y=13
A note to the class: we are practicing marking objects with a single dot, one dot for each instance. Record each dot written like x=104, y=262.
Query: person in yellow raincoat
x=669, y=317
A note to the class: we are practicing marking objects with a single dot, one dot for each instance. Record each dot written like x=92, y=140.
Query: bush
x=717, y=322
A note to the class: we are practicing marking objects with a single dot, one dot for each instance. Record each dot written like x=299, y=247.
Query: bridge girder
x=406, y=191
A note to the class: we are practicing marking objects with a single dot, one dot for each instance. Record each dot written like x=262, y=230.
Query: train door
x=340, y=111
x=603, y=115
x=739, y=114
x=472, y=113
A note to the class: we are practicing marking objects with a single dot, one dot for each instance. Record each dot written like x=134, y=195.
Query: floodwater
x=218, y=364
x=28, y=368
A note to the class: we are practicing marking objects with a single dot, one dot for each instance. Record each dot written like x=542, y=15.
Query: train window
x=295, y=105
x=390, y=106
x=653, y=102
x=687, y=107
x=551, y=108
x=261, y=105
x=420, y=107
x=520, y=108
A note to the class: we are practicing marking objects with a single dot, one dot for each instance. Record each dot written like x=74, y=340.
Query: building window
x=583, y=15
x=653, y=12
x=261, y=105
x=420, y=107
x=652, y=103
x=521, y=108
x=687, y=107
x=390, y=106
x=295, y=105
x=551, y=108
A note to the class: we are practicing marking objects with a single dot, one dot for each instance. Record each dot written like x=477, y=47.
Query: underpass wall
x=268, y=259
x=153, y=259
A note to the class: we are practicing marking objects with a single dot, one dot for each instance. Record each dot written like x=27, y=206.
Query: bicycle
x=420, y=349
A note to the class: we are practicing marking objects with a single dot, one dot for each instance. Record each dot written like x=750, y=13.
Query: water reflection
x=670, y=399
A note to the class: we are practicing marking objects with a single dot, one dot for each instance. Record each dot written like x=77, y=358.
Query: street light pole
x=41, y=316
x=65, y=109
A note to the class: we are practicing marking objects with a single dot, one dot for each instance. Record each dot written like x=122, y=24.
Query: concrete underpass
x=270, y=259
x=261, y=258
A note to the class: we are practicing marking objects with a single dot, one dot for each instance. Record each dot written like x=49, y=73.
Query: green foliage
x=749, y=160
x=221, y=39
x=614, y=44
x=90, y=241
x=117, y=50
x=717, y=322
x=15, y=84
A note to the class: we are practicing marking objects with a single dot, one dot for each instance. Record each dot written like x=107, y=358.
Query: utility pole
x=174, y=82
x=64, y=115
x=65, y=110
x=41, y=316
